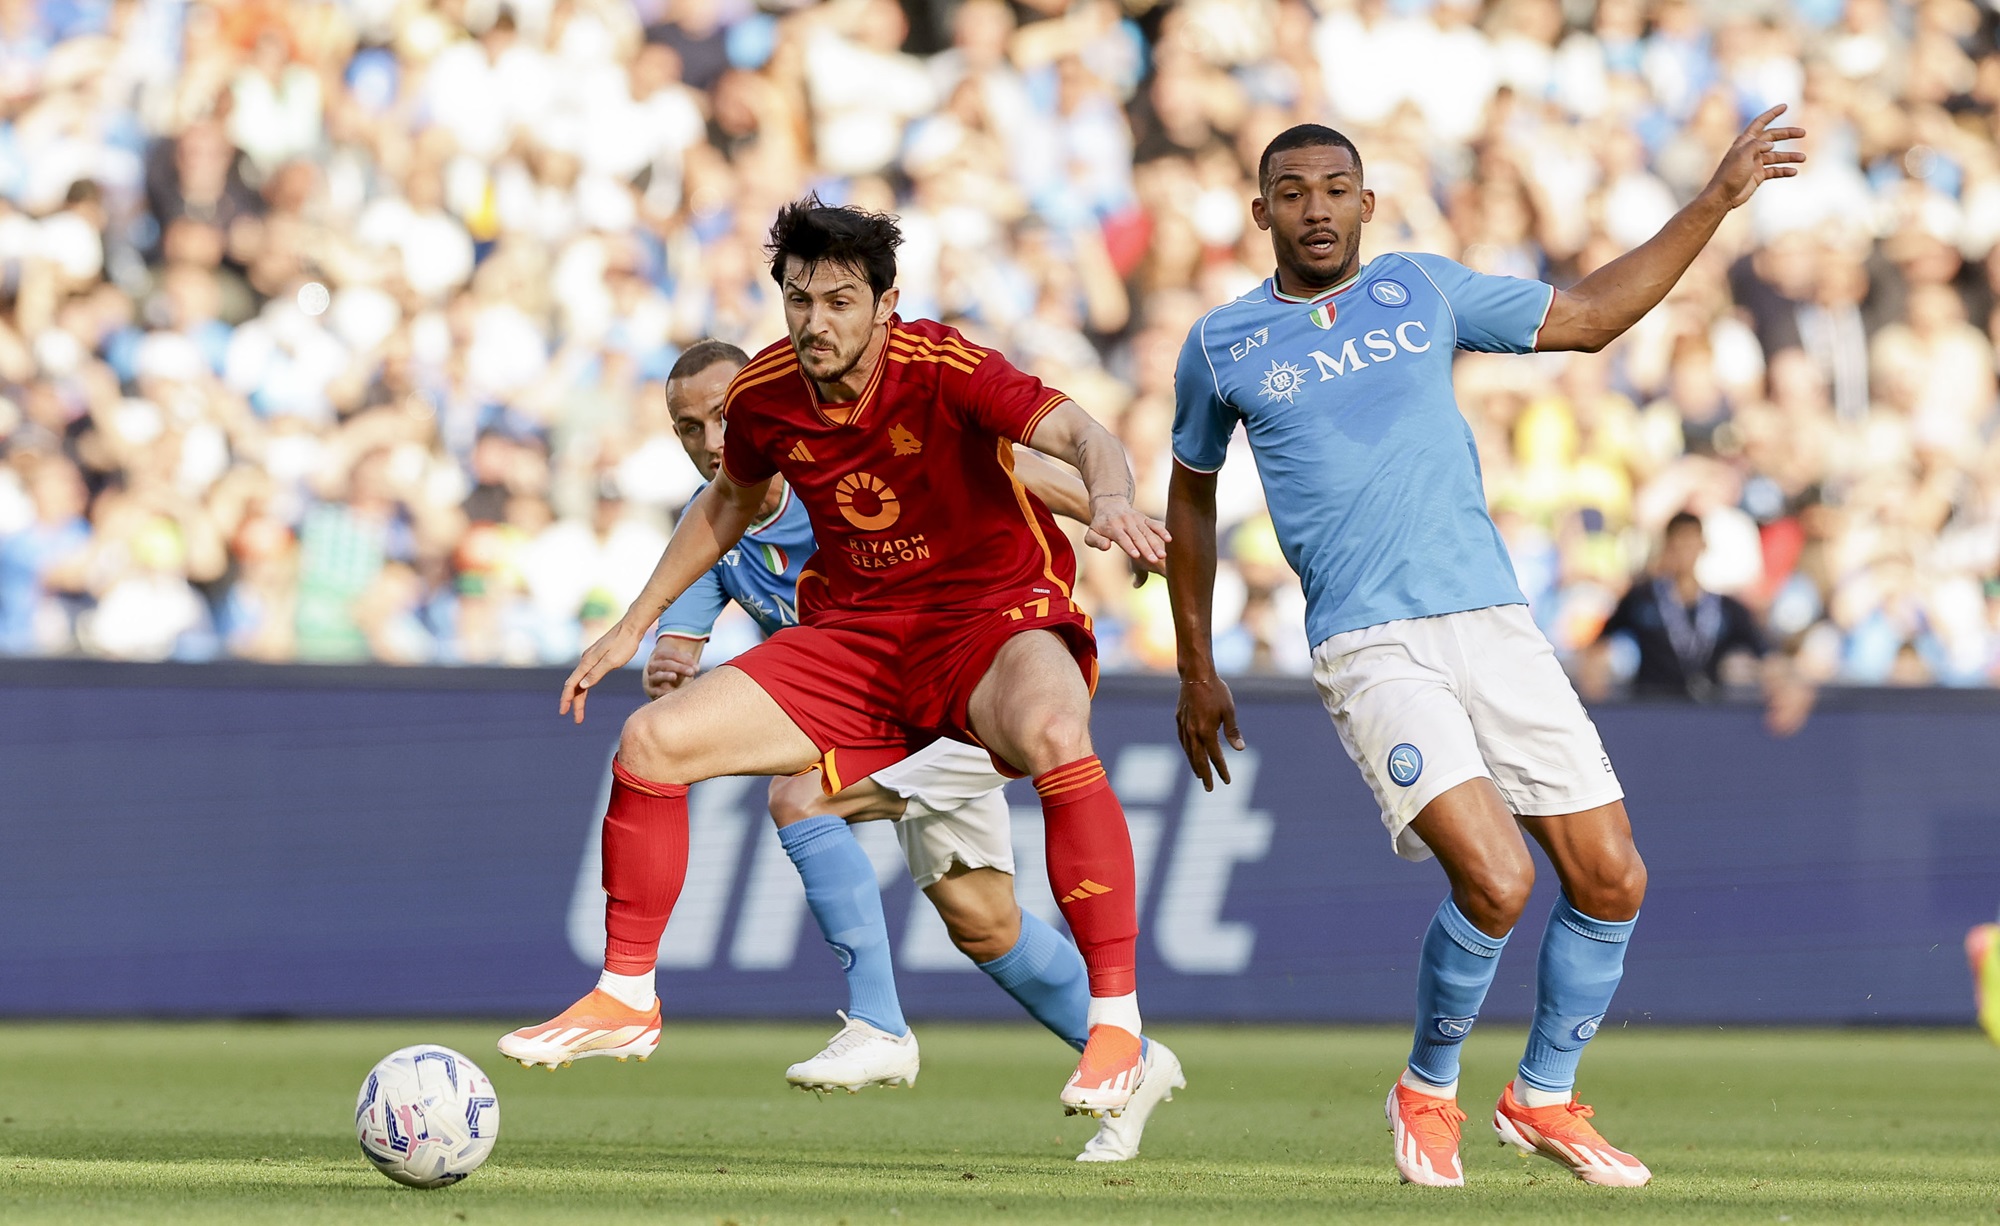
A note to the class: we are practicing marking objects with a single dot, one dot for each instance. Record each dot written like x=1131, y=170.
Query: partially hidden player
x=950, y=814
x=938, y=604
x=1442, y=689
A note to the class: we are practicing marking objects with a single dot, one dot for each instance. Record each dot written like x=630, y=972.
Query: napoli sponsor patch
x=1405, y=764
x=1587, y=1028
x=1454, y=1027
x=1389, y=293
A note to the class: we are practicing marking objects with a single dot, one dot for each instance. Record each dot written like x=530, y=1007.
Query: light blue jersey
x=1369, y=470
x=761, y=574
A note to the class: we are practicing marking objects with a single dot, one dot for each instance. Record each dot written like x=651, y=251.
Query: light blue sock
x=1453, y=974
x=1046, y=974
x=1582, y=961
x=846, y=902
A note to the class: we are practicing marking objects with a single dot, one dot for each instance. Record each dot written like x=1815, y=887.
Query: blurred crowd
x=335, y=330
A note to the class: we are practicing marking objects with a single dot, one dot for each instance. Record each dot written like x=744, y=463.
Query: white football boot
x=1118, y=1135
x=859, y=1056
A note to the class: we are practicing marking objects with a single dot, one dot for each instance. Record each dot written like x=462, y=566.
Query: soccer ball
x=427, y=1116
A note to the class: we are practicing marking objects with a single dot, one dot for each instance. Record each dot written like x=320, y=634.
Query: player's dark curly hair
x=813, y=231
x=1303, y=136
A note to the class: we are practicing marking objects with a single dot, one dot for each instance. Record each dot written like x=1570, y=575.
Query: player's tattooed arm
x=1598, y=309
x=710, y=527
x=1072, y=435
x=1064, y=493
x=1206, y=711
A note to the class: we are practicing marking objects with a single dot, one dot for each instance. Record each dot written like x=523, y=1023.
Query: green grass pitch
x=252, y=1123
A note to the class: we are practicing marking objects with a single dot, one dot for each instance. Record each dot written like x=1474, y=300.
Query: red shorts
x=871, y=689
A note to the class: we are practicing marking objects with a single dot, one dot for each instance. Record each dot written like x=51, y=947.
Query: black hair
x=1303, y=136
x=812, y=232
x=703, y=354
x=1681, y=519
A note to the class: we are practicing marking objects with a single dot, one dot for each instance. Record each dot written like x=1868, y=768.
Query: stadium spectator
x=272, y=276
x=1685, y=642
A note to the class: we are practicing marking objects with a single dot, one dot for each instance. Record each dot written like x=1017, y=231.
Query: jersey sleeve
x=743, y=457
x=693, y=615
x=1001, y=397
x=1203, y=420
x=1492, y=314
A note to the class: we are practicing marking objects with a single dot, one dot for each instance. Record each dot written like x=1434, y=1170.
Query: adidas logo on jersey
x=799, y=453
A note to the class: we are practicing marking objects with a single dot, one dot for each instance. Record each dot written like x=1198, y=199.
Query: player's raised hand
x=1205, y=714
x=1754, y=157
x=608, y=654
x=1114, y=521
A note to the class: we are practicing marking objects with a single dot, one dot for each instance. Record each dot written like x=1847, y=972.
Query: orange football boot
x=1426, y=1129
x=598, y=1025
x=1106, y=1075
x=1563, y=1134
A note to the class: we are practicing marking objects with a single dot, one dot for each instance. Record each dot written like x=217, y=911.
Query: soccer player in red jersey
x=940, y=602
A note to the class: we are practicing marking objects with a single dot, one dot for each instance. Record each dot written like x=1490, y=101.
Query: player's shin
x=1582, y=960
x=645, y=864
x=1090, y=870
x=1046, y=974
x=846, y=902
x=1453, y=974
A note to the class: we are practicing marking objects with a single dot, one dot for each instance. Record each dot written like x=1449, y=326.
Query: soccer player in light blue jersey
x=946, y=801
x=1442, y=689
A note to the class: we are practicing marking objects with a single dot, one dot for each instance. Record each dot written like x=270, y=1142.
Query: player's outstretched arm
x=1598, y=309
x=1206, y=711
x=710, y=527
x=1072, y=435
x=1062, y=492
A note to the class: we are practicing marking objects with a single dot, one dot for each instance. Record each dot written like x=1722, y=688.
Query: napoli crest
x=1584, y=1032
x=1389, y=293
x=1454, y=1027
x=1405, y=764
x=1283, y=381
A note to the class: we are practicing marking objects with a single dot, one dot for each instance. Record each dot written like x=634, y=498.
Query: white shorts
x=957, y=813
x=1426, y=703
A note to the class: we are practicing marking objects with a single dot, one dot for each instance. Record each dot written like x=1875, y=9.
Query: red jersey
x=911, y=487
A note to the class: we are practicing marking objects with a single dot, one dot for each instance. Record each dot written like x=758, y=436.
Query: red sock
x=1090, y=870
x=645, y=864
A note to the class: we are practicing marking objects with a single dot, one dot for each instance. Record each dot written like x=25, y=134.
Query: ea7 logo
x=1252, y=341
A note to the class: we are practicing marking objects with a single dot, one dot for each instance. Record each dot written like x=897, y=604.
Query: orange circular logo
x=867, y=501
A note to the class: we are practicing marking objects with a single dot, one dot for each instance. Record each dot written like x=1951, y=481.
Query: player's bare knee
x=1494, y=896
x=1614, y=892
x=1056, y=736
x=649, y=746
x=983, y=933
x=981, y=939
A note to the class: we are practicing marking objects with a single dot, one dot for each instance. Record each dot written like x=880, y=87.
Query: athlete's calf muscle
x=721, y=723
